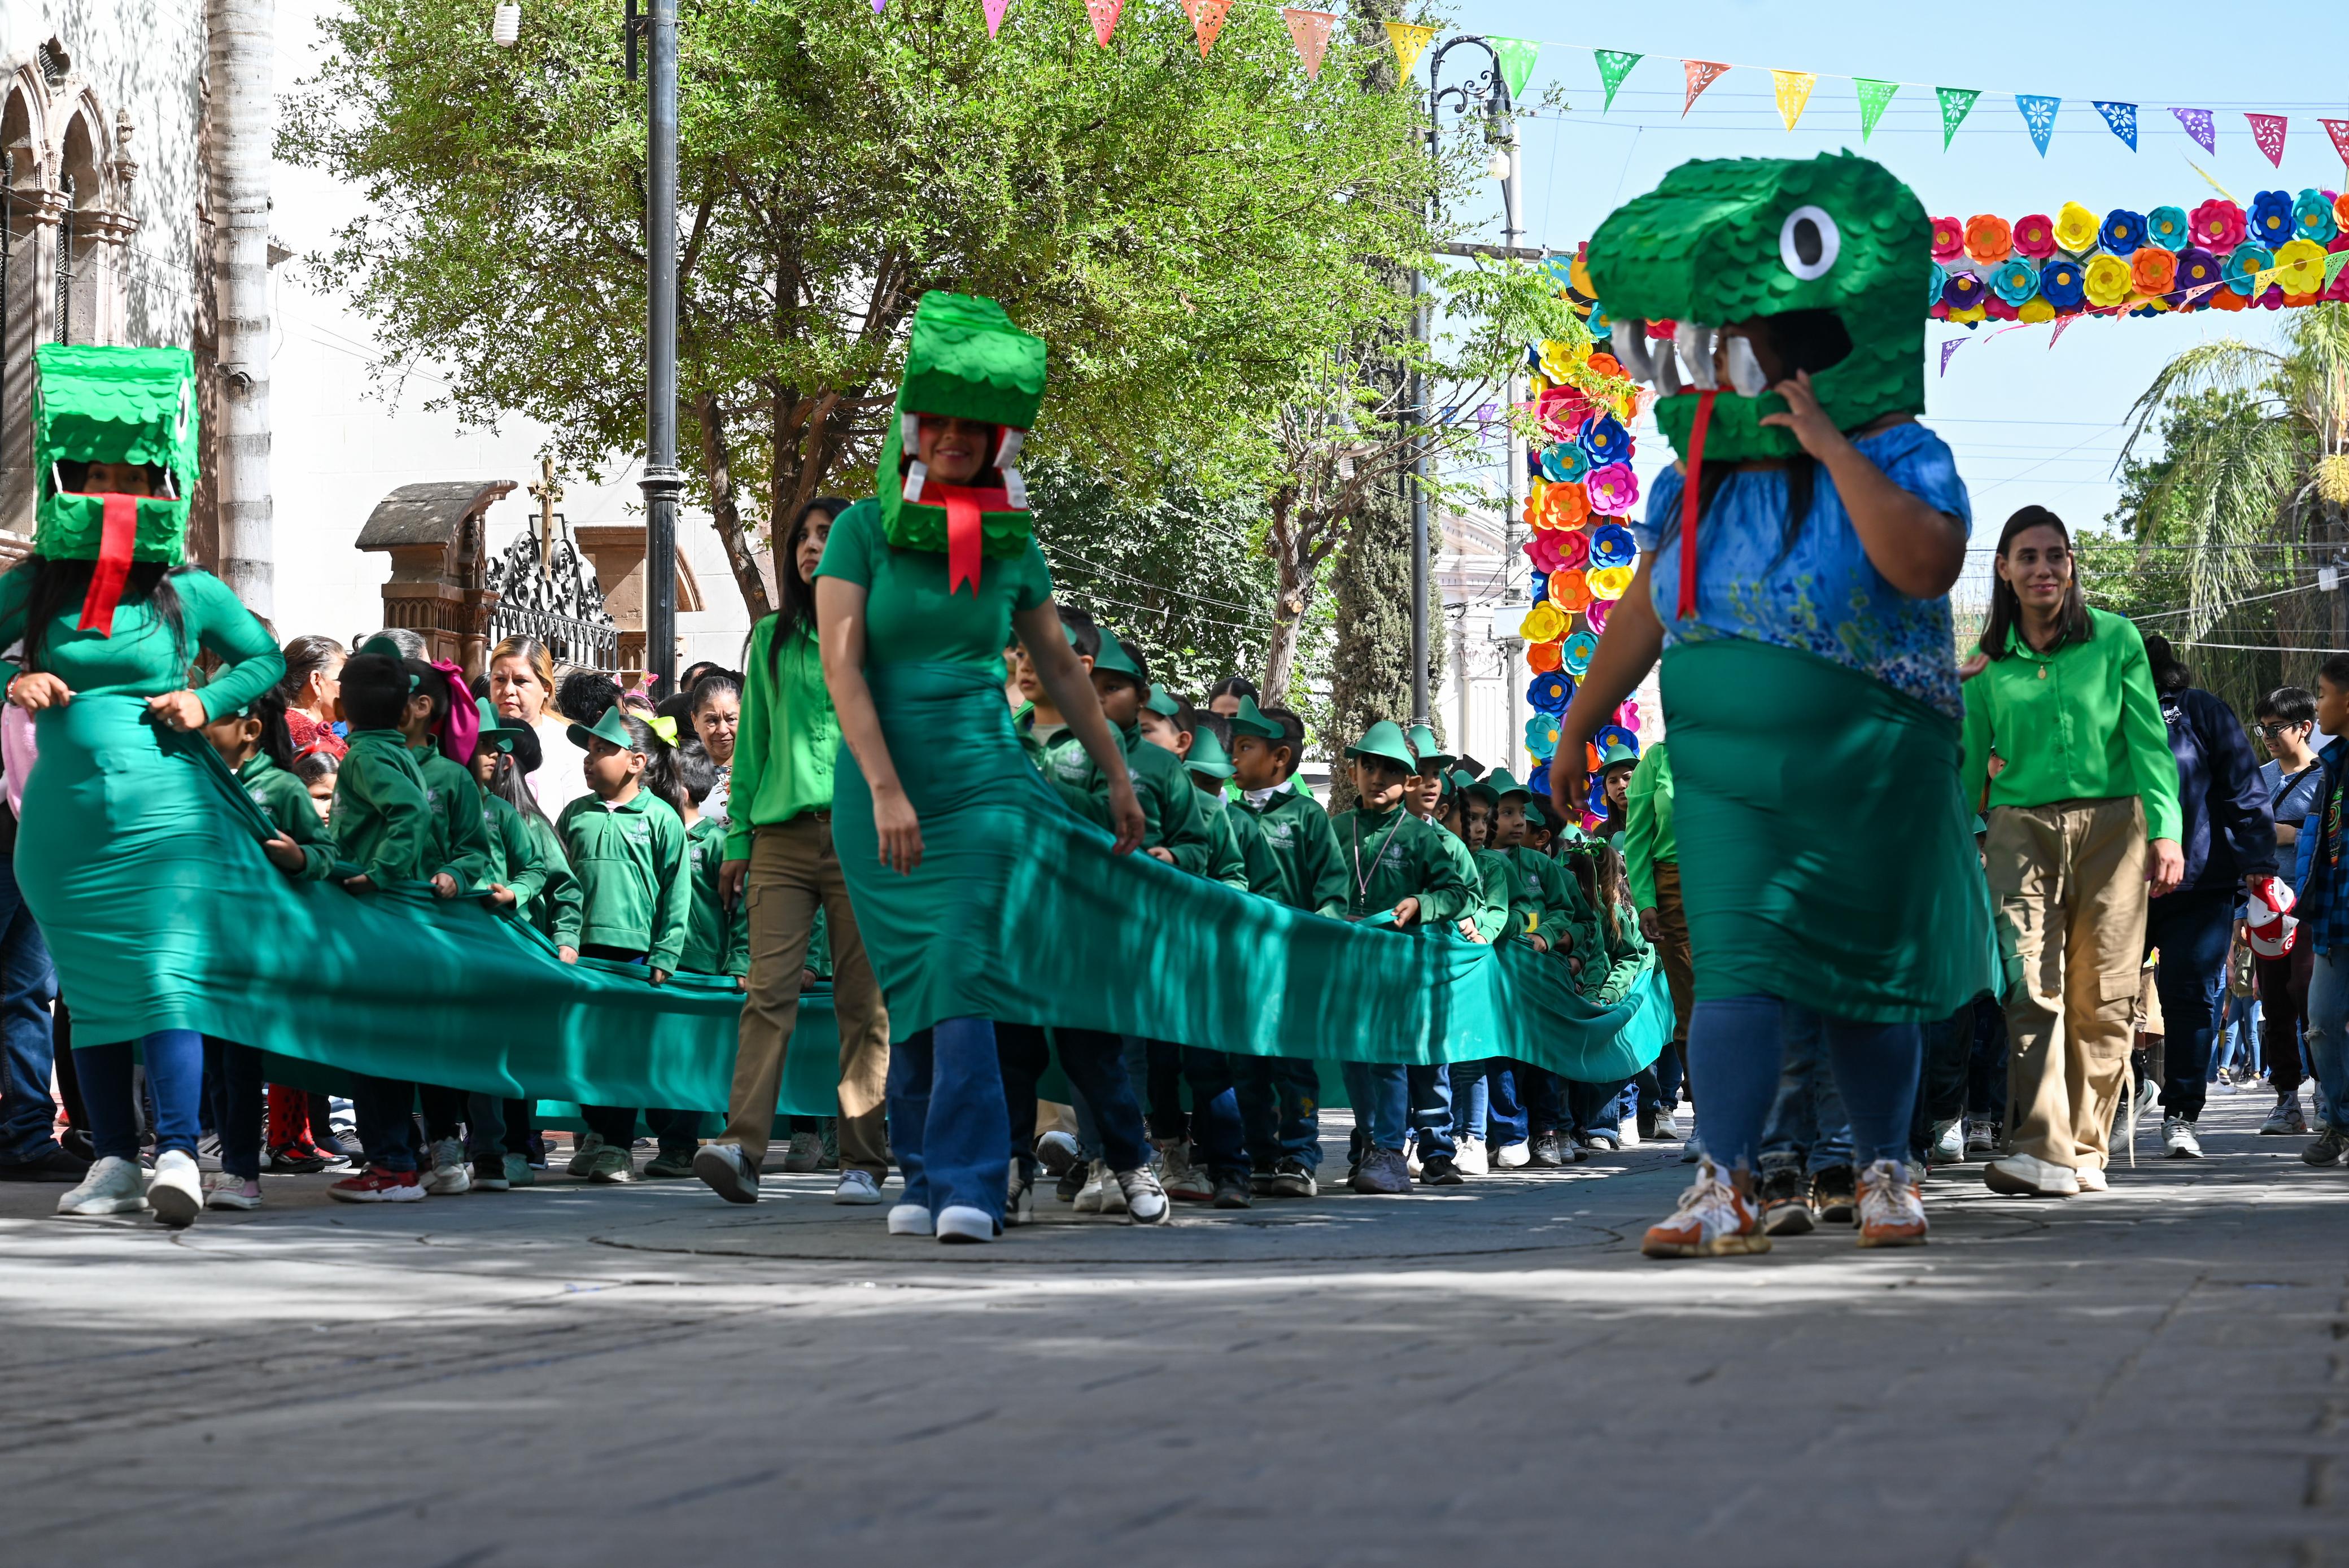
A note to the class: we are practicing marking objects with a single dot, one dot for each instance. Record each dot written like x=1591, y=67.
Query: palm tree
x=240, y=55
x=2279, y=477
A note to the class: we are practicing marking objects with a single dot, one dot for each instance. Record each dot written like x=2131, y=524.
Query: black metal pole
x=661, y=480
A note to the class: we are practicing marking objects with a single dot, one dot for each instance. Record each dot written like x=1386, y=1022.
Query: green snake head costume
x=965, y=360
x=1727, y=241
x=112, y=405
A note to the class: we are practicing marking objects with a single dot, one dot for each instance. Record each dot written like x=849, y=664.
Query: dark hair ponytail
x=2006, y=610
x=59, y=586
x=2169, y=672
x=660, y=760
x=276, y=740
x=795, y=594
x=508, y=784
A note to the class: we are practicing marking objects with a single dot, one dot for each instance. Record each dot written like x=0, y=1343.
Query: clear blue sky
x=2029, y=423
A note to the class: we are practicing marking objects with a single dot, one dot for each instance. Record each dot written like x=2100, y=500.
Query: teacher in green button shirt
x=2083, y=815
x=779, y=856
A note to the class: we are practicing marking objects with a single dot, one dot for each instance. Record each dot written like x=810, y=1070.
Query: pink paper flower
x=1614, y=489
x=2217, y=225
x=1949, y=239
x=2034, y=236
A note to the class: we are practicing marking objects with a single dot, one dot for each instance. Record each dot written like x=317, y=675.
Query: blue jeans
x=1737, y=1045
x=947, y=1116
x=1280, y=1110
x=1431, y=1110
x=28, y=1053
x=1381, y=1092
x=232, y=1075
x=175, y=1077
x=2191, y=927
x=1109, y=1117
x=2239, y=1035
x=1485, y=1101
x=1600, y=1107
x=2328, y=1018
x=1217, y=1141
x=1807, y=1130
x=385, y=1109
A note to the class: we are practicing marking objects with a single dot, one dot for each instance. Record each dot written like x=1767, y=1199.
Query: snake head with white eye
x=1767, y=267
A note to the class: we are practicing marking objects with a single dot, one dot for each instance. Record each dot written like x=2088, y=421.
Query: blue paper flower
x=1549, y=693
x=1940, y=279
x=1565, y=463
x=1611, y=544
x=1539, y=779
x=2015, y=280
x=2311, y=218
x=1605, y=439
x=1613, y=735
x=1541, y=735
x=1541, y=586
x=2166, y=227
x=1574, y=654
x=1602, y=328
x=2271, y=222
x=2247, y=261
x=2064, y=283
x=2123, y=233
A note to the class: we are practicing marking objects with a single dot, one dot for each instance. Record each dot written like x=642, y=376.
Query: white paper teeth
x=1667, y=374
x=1010, y=452
x=1629, y=341
x=1016, y=489
x=916, y=478
x=1695, y=340
x=909, y=432
x=1745, y=373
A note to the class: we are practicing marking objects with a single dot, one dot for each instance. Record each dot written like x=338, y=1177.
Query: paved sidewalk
x=1490, y=1374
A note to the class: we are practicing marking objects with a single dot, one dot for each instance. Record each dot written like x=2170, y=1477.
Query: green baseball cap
x=1163, y=706
x=1430, y=749
x=1534, y=816
x=1503, y=784
x=1114, y=658
x=1250, y=720
x=607, y=729
x=1207, y=756
x=1385, y=739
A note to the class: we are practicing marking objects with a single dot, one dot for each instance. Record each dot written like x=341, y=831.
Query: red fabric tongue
x=1690, y=503
x=963, y=504
x=115, y=534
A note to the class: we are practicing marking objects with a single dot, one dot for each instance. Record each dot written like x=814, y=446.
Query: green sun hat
x=1207, y=756
x=1464, y=784
x=1534, y=816
x=1430, y=749
x=1385, y=739
x=1114, y=658
x=1616, y=755
x=607, y=729
x=1503, y=784
x=1250, y=720
x=1161, y=702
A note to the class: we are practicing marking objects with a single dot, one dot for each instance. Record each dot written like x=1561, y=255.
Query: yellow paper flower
x=1577, y=276
x=1971, y=313
x=1608, y=583
x=2302, y=261
x=2107, y=279
x=2075, y=229
x=1545, y=625
x=2034, y=310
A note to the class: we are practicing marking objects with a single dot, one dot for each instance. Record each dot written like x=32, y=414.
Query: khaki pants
x=2069, y=883
x=792, y=870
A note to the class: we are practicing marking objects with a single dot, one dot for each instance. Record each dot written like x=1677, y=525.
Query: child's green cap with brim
x=1207, y=756
x=1503, y=784
x=1163, y=706
x=1430, y=751
x=1250, y=720
x=1384, y=739
x=1114, y=658
x=607, y=729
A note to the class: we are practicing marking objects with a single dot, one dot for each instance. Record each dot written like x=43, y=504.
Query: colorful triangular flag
x=1950, y=346
x=1409, y=40
x=2122, y=117
x=1794, y=91
x=1614, y=65
x=1702, y=74
x=2267, y=129
x=1956, y=104
x=1517, y=55
x=1873, y=95
x=994, y=9
x=2338, y=129
x=2199, y=126
x=1311, y=29
x=879, y=6
x=1104, y=14
x=2039, y=116
x=2063, y=325
x=1207, y=21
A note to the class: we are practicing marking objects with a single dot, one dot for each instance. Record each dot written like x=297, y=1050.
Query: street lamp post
x=1487, y=93
x=661, y=480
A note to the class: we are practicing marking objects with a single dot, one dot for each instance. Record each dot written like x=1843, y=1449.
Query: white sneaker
x=2092, y=1178
x=857, y=1187
x=2285, y=1120
x=1182, y=1178
x=1411, y=1153
x=911, y=1220
x=961, y=1222
x=2028, y=1176
x=1668, y=1126
x=1981, y=1137
x=1513, y=1156
x=584, y=1150
x=177, y=1191
x=2177, y=1140
x=726, y=1170
x=1055, y=1151
x=1112, y=1195
x=449, y=1175
x=222, y=1191
x=114, y=1186
x=1891, y=1213
x=1468, y=1154
x=1089, y=1196
x=1628, y=1135
x=1142, y=1197
x=1947, y=1144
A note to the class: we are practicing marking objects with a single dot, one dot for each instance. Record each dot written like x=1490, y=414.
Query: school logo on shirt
x=640, y=832
x=1073, y=765
x=1280, y=832
x=260, y=798
x=432, y=797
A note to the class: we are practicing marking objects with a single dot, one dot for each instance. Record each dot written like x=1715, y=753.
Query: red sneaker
x=1891, y=1211
x=377, y=1185
x=1714, y=1219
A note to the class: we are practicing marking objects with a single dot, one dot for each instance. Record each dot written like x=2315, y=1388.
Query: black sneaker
x=1438, y=1171
x=1835, y=1193
x=1294, y=1179
x=1787, y=1204
x=1545, y=1151
x=1071, y=1182
x=59, y=1164
x=1647, y=1122
x=1232, y=1191
x=1260, y=1183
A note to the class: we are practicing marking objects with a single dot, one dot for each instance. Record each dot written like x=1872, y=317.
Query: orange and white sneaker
x=1714, y=1220
x=1891, y=1211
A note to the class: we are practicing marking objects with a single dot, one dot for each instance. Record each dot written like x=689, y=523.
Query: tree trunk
x=239, y=58
x=725, y=510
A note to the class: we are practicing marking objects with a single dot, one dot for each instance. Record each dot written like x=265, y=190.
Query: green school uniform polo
x=1297, y=830
x=285, y=800
x=381, y=822
x=515, y=855
x=461, y=844
x=1226, y=861
x=558, y=900
x=636, y=893
x=1390, y=856
x=717, y=941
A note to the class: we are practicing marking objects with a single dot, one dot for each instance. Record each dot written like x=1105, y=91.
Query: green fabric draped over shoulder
x=1021, y=913
x=1826, y=855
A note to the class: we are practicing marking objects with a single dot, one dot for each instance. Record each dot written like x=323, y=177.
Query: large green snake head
x=1822, y=260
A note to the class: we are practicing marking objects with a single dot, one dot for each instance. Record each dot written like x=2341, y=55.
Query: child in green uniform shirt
x=1484, y=1114
x=515, y=876
x=1281, y=1097
x=1611, y=966
x=252, y=741
x=382, y=825
x=1398, y=868
x=628, y=849
x=1044, y=734
x=1562, y=921
x=1422, y=796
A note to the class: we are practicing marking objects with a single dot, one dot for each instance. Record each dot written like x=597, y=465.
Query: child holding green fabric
x=526, y=863
x=627, y=848
x=1400, y=868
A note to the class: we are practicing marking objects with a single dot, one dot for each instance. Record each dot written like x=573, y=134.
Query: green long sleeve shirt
x=381, y=822
x=286, y=800
x=1172, y=818
x=1265, y=872
x=1391, y=856
x=460, y=841
x=1313, y=869
x=514, y=854
x=557, y=902
x=1553, y=901
x=717, y=941
x=788, y=735
x=1228, y=857
x=1648, y=837
x=1620, y=952
x=1478, y=912
x=636, y=892
x=1502, y=910
x=2079, y=724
